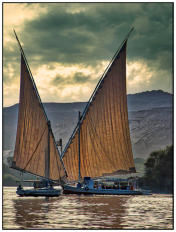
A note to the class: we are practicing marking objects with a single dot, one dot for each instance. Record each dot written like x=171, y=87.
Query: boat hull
x=74, y=190
x=38, y=192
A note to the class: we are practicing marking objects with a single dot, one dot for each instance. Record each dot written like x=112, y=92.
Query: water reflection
x=30, y=211
x=70, y=212
x=149, y=212
x=87, y=212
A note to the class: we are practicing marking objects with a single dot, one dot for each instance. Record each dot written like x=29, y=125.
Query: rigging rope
x=36, y=147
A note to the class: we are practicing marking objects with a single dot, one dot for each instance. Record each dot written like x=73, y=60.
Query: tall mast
x=47, y=154
x=79, y=161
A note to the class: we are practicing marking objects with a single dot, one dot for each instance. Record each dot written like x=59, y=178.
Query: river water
x=87, y=212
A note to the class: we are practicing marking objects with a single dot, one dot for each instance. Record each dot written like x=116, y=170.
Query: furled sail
x=35, y=149
x=105, y=145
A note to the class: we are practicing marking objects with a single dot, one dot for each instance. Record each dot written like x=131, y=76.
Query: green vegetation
x=158, y=174
x=8, y=178
x=139, y=164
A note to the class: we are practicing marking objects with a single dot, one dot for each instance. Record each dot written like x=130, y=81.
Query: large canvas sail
x=105, y=145
x=35, y=149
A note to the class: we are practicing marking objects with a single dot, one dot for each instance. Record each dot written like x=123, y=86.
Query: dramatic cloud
x=73, y=42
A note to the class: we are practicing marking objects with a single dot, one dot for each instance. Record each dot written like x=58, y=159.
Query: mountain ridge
x=140, y=94
x=150, y=120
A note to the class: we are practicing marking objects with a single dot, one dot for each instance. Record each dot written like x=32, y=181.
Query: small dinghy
x=41, y=189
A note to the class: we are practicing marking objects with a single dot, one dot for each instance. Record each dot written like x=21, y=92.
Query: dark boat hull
x=74, y=190
x=38, y=192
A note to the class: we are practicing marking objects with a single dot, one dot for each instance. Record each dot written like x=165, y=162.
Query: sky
x=69, y=45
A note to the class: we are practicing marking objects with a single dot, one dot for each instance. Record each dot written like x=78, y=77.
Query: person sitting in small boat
x=51, y=185
x=19, y=187
x=35, y=185
x=79, y=185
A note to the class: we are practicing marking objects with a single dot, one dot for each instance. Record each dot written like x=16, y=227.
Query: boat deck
x=74, y=190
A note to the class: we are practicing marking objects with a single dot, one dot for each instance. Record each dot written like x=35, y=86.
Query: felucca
x=35, y=150
x=100, y=145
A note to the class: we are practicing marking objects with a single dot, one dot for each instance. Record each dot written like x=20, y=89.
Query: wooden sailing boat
x=35, y=150
x=100, y=144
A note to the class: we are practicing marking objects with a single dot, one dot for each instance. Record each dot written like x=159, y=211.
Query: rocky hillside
x=150, y=118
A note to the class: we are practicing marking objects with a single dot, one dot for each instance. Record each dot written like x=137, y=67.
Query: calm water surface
x=87, y=212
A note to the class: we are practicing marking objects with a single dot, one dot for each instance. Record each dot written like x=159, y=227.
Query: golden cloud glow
x=138, y=73
x=11, y=93
x=44, y=75
x=14, y=14
x=141, y=76
x=69, y=92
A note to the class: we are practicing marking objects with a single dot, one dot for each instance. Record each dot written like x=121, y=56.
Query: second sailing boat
x=100, y=144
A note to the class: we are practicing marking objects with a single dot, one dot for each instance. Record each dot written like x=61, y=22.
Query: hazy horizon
x=87, y=101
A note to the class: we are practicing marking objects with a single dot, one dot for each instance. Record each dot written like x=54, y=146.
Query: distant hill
x=150, y=119
x=149, y=100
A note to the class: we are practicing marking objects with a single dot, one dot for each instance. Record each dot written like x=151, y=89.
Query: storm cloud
x=88, y=34
x=76, y=78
